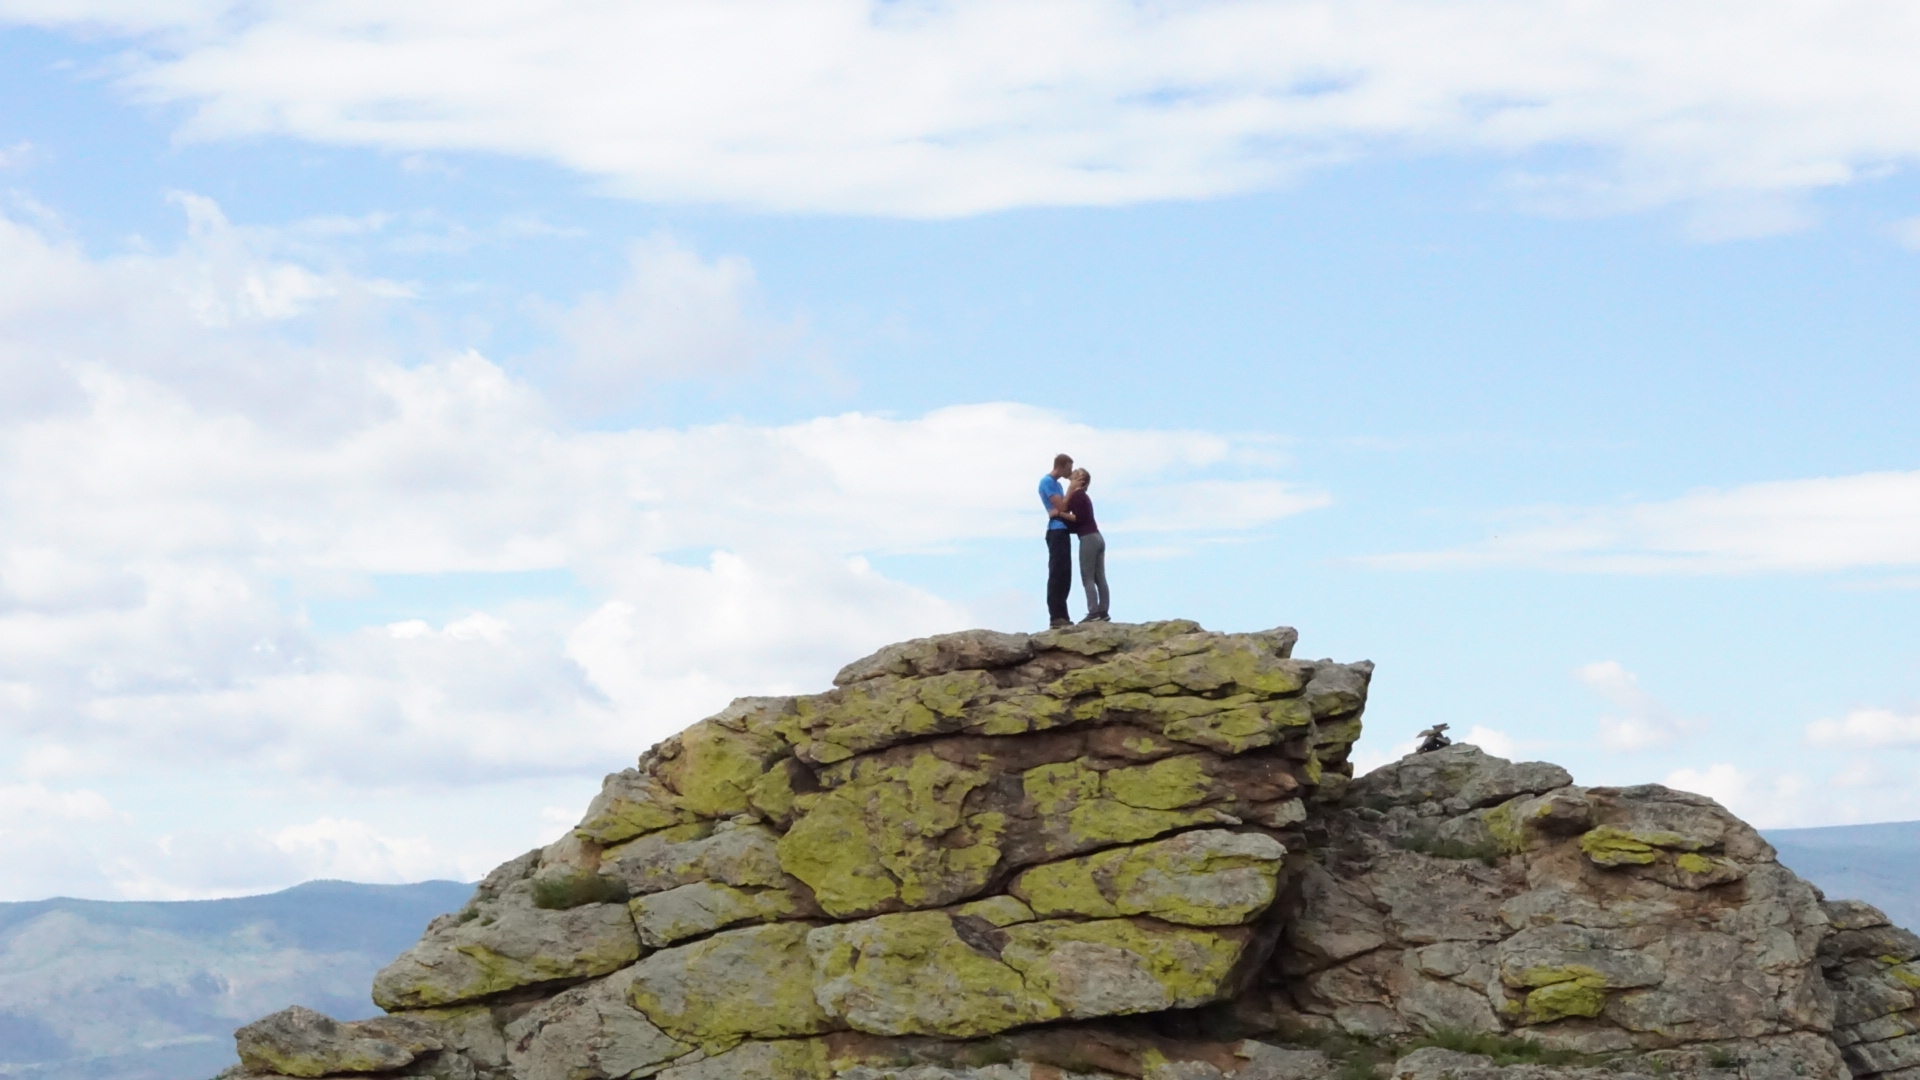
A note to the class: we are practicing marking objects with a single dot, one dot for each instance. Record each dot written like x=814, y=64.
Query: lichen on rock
x=1122, y=851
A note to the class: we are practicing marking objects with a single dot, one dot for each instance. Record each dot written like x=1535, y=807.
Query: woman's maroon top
x=1081, y=508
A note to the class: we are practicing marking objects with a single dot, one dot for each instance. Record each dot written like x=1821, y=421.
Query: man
x=1059, y=542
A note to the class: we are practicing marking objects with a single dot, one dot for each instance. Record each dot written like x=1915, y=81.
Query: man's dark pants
x=1059, y=572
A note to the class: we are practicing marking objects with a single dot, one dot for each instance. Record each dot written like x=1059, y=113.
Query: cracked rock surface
x=1122, y=851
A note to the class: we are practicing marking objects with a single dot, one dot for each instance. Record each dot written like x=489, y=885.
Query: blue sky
x=412, y=416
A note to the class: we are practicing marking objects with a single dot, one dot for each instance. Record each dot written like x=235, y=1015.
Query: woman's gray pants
x=1093, y=572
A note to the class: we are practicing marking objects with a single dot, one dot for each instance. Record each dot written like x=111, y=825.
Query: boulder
x=301, y=1042
x=1123, y=851
x=503, y=940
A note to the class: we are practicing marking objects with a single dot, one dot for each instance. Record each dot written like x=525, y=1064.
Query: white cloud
x=1788, y=526
x=1725, y=784
x=1643, y=723
x=188, y=471
x=24, y=802
x=920, y=108
x=676, y=315
x=1862, y=728
x=1767, y=801
x=1495, y=742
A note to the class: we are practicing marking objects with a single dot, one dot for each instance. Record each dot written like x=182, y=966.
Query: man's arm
x=1054, y=500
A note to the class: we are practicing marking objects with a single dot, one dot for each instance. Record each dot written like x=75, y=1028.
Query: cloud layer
x=1643, y=722
x=187, y=472
x=928, y=109
x=1870, y=520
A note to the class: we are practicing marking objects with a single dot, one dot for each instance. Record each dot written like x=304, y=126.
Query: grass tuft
x=1503, y=1049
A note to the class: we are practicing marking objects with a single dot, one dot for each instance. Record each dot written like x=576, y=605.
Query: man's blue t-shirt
x=1050, y=490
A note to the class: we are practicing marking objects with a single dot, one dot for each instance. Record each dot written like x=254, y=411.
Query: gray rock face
x=1466, y=892
x=503, y=940
x=969, y=650
x=304, y=1043
x=590, y=1032
x=1130, y=852
x=1874, y=968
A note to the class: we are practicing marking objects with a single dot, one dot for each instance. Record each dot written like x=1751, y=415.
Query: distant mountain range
x=1876, y=863
x=98, y=990
x=102, y=990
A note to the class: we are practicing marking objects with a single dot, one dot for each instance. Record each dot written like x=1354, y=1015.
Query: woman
x=1078, y=514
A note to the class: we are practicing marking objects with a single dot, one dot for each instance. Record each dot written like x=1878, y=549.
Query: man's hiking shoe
x=1102, y=617
x=1058, y=623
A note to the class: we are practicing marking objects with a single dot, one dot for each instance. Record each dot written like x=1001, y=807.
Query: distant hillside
x=101, y=990
x=1876, y=863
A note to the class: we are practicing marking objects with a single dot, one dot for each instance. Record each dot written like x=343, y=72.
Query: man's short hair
x=1062, y=459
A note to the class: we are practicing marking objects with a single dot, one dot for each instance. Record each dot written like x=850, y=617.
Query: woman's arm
x=1067, y=501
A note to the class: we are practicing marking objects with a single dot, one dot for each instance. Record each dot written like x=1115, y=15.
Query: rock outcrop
x=1122, y=851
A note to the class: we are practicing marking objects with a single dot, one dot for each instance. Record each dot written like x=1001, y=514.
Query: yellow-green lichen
x=1188, y=967
x=894, y=835
x=1107, y=821
x=640, y=846
x=1581, y=993
x=776, y=1059
x=1326, y=732
x=1093, y=816
x=913, y=974
x=1610, y=845
x=1558, y=991
x=839, y=724
x=1057, y=788
x=639, y=805
x=772, y=795
x=1232, y=731
x=1016, y=714
x=1509, y=834
x=1200, y=879
x=269, y=1059
x=832, y=849
x=1168, y=784
x=716, y=767
x=493, y=972
x=1068, y=888
x=998, y=910
x=1196, y=665
x=1694, y=864
x=949, y=695
x=669, y=917
x=752, y=983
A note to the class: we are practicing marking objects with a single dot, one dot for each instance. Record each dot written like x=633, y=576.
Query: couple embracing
x=1070, y=513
